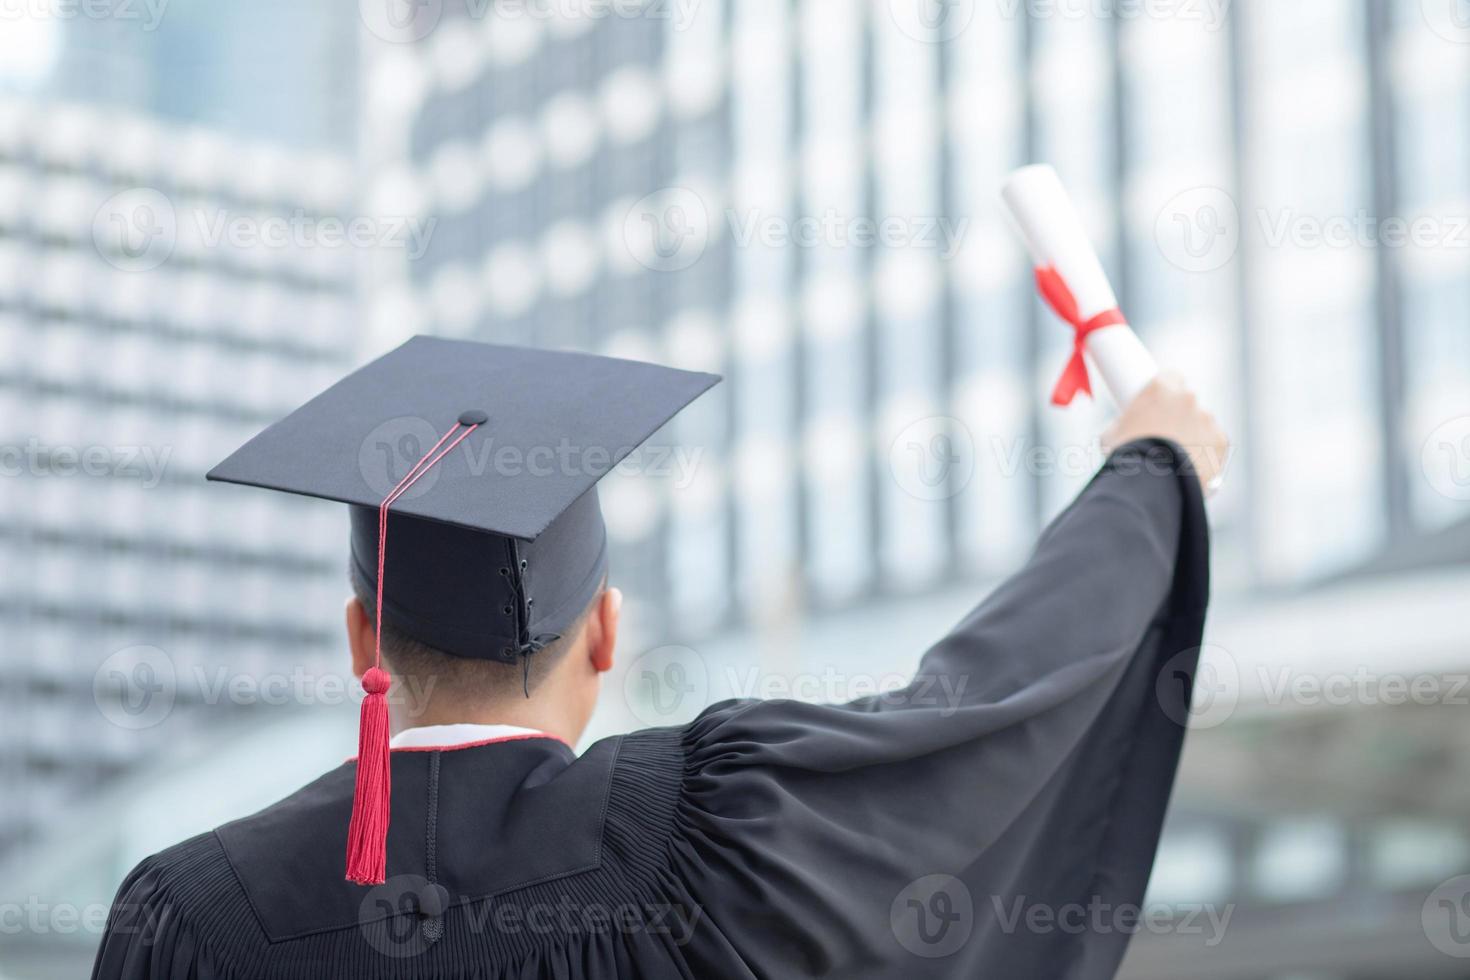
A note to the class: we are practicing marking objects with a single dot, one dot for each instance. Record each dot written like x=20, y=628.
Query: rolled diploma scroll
x=1054, y=234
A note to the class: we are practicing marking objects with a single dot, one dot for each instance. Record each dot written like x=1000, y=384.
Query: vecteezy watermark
x=299, y=686
x=936, y=21
x=667, y=230
x=1099, y=917
x=1445, y=458
x=1445, y=917
x=1361, y=687
x=1202, y=688
x=407, y=21
x=136, y=230
x=1199, y=688
x=670, y=229
x=943, y=692
x=398, y=917
x=1450, y=19
x=139, y=229
x=139, y=686
x=932, y=21
x=672, y=684
x=1201, y=230
x=1017, y=456
x=33, y=916
x=1361, y=230
x=403, y=916
x=833, y=229
x=392, y=449
x=933, y=916
x=667, y=685
x=933, y=458
x=1211, y=15
x=147, y=14
x=135, y=687
x=146, y=464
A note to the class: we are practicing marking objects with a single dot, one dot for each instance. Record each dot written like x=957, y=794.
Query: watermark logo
x=932, y=21
x=1202, y=229
x=666, y=685
x=401, y=917
x=1099, y=917
x=136, y=230
x=400, y=21
x=135, y=687
x=1203, y=697
x=145, y=464
x=148, y=14
x=945, y=693
x=1199, y=229
x=668, y=230
x=1450, y=19
x=34, y=916
x=408, y=21
x=933, y=917
x=832, y=229
x=1445, y=459
x=933, y=458
x=390, y=452
x=1446, y=917
x=1361, y=687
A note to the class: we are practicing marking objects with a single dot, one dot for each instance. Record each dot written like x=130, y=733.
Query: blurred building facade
x=571, y=160
x=136, y=351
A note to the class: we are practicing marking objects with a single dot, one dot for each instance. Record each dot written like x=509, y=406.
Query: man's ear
x=603, y=638
x=359, y=637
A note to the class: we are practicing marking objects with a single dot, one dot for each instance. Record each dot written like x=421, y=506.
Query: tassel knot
x=375, y=680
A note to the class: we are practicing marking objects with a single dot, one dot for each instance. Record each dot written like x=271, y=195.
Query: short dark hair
x=476, y=679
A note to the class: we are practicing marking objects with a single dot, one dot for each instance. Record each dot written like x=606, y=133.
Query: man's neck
x=457, y=736
x=528, y=714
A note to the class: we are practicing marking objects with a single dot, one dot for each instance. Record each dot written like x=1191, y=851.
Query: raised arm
x=1028, y=765
x=1104, y=570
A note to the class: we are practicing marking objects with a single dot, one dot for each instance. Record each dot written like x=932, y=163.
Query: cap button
x=473, y=416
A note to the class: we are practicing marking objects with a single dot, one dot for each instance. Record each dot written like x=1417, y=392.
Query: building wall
x=691, y=185
x=136, y=350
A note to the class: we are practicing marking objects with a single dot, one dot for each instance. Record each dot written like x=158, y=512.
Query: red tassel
x=367, y=834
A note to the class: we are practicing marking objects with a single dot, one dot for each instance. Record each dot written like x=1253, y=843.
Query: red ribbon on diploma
x=1058, y=296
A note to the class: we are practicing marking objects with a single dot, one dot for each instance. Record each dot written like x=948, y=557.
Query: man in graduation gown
x=977, y=834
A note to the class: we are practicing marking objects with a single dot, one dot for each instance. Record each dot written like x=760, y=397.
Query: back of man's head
x=416, y=662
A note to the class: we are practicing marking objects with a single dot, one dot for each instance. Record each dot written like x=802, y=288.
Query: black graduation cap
x=470, y=470
x=501, y=541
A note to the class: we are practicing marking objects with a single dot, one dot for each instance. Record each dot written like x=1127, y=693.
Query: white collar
x=449, y=736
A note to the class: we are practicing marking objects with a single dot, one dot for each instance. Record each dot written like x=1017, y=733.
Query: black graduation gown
x=918, y=836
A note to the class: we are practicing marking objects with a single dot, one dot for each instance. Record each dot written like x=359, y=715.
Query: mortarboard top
x=501, y=541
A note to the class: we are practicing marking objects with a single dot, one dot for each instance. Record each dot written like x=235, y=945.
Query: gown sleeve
x=999, y=816
x=150, y=934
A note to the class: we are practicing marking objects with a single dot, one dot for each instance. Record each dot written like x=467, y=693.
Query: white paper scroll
x=1053, y=232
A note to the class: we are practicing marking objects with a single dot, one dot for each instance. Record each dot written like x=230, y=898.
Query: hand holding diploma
x=1167, y=409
